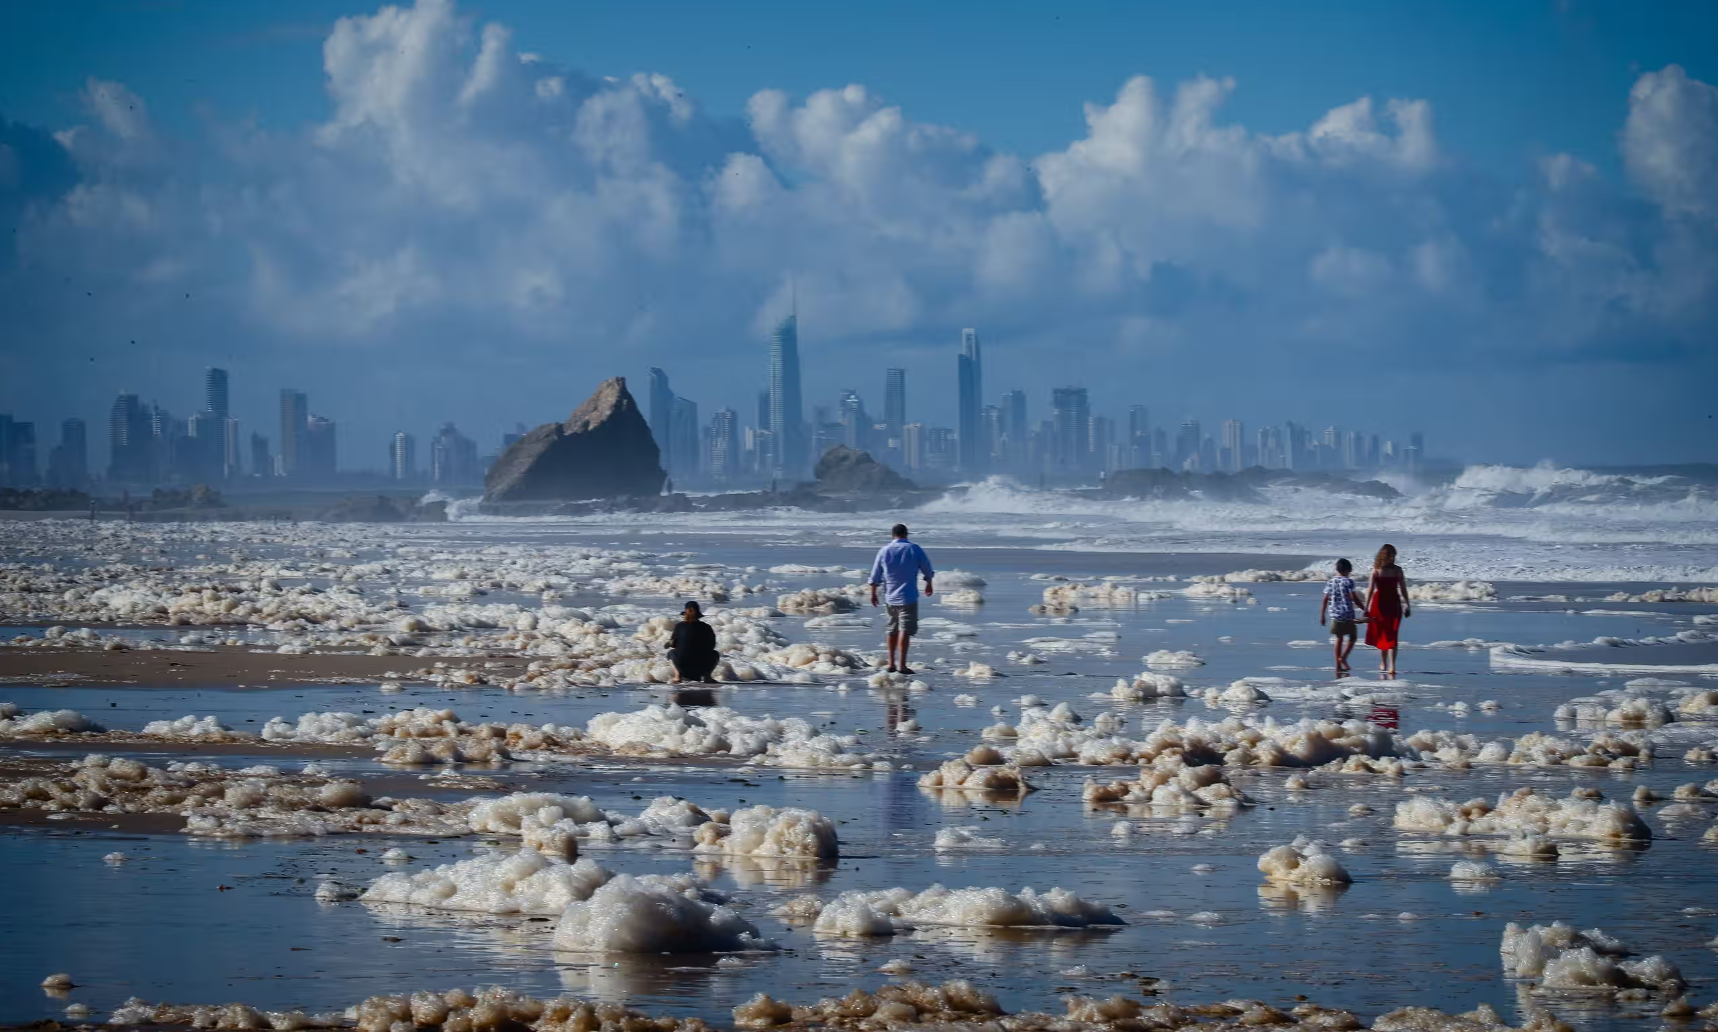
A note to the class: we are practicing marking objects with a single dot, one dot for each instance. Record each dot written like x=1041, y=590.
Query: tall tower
x=1071, y=418
x=895, y=401
x=215, y=393
x=970, y=366
x=662, y=416
x=294, y=431
x=1234, y=444
x=403, y=456
x=787, y=415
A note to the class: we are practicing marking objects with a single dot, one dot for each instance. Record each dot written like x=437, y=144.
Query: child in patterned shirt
x=1342, y=606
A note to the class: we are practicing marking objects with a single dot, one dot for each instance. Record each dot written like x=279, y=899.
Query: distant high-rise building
x=855, y=422
x=1234, y=445
x=1071, y=415
x=662, y=416
x=262, y=463
x=1187, y=445
x=294, y=426
x=894, y=401
x=995, y=438
x=403, y=456
x=215, y=392
x=512, y=436
x=764, y=409
x=202, y=456
x=1100, y=441
x=941, y=448
x=724, y=445
x=68, y=463
x=1138, y=436
x=17, y=453
x=970, y=370
x=321, y=452
x=683, y=430
x=913, y=446
x=1015, y=428
x=1351, y=449
x=787, y=412
x=130, y=441
x=453, y=458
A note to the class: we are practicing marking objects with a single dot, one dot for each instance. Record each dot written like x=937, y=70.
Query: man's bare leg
x=891, y=638
x=904, y=639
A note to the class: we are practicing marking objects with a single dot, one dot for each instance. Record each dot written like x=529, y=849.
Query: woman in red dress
x=1386, y=604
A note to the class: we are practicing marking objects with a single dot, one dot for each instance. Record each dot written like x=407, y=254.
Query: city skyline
x=1181, y=221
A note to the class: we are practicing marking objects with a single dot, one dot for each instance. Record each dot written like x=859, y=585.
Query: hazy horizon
x=477, y=214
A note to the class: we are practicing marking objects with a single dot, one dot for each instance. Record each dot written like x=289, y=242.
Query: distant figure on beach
x=1387, y=603
x=896, y=569
x=692, y=647
x=1339, y=605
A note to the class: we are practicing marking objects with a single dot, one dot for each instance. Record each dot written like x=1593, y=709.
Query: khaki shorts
x=1344, y=628
x=904, y=619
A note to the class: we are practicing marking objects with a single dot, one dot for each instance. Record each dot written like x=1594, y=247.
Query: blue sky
x=1493, y=214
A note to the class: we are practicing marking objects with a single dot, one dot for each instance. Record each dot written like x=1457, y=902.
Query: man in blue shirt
x=897, y=569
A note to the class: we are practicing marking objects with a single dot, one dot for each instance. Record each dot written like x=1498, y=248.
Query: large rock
x=603, y=450
x=845, y=470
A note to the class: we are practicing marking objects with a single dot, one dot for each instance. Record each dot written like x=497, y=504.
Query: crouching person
x=692, y=648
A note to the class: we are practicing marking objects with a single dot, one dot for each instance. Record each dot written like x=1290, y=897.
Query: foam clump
x=1147, y=685
x=1171, y=783
x=43, y=723
x=1524, y=813
x=967, y=837
x=190, y=728
x=1699, y=704
x=888, y=911
x=1173, y=658
x=767, y=831
x=962, y=775
x=1563, y=958
x=1302, y=863
x=819, y=601
x=1452, y=591
x=658, y=731
x=654, y=914
x=901, y=1003
x=525, y=882
x=1472, y=871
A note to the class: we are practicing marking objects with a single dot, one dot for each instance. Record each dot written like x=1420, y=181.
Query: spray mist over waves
x=1499, y=523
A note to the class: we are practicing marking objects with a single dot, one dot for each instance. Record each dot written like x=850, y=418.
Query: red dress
x=1384, y=608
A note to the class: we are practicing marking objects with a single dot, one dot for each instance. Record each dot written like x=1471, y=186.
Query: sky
x=1496, y=224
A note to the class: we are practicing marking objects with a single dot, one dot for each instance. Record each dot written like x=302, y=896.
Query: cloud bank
x=476, y=233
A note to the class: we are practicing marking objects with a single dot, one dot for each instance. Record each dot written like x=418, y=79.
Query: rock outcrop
x=844, y=470
x=603, y=450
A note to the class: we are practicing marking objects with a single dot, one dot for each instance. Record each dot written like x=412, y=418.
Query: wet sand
x=220, y=667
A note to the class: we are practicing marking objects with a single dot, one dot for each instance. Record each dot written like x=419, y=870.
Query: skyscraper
x=787, y=415
x=1071, y=417
x=453, y=457
x=724, y=445
x=129, y=441
x=17, y=453
x=683, y=454
x=403, y=456
x=1015, y=429
x=320, y=457
x=1187, y=445
x=215, y=392
x=895, y=401
x=262, y=463
x=68, y=463
x=662, y=416
x=294, y=425
x=855, y=423
x=1234, y=445
x=970, y=367
x=1138, y=444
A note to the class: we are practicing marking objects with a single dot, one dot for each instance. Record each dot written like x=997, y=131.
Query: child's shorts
x=1344, y=628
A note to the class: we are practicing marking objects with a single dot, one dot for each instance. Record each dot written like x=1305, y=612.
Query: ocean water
x=1401, y=934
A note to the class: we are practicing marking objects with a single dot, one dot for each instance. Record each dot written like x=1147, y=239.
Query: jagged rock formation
x=844, y=470
x=382, y=509
x=603, y=450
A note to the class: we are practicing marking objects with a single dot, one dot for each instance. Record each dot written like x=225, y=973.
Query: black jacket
x=693, y=638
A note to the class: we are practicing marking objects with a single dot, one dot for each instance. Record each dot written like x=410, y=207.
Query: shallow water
x=1401, y=934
